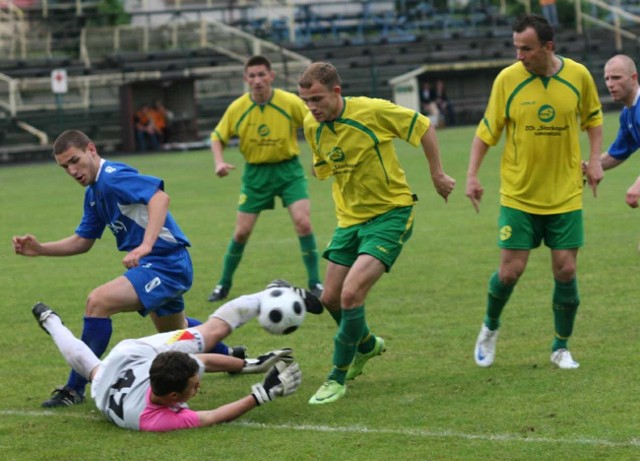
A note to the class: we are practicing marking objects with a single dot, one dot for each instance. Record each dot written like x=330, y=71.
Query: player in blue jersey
x=136, y=210
x=621, y=77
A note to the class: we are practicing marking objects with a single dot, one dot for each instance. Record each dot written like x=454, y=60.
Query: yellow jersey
x=357, y=150
x=267, y=132
x=541, y=163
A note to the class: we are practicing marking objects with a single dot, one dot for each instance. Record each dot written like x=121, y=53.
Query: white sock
x=75, y=352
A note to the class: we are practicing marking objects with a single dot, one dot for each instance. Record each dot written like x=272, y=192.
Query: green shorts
x=381, y=237
x=262, y=183
x=519, y=230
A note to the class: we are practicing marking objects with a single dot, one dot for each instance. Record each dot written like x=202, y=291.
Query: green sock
x=497, y=298
x=565, y=307
x=345, y=342
x=310, y=258
x=231, y=261
x=337, y=315
x=368, y=339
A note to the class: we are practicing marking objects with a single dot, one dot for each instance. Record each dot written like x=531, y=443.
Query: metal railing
x=98, y=42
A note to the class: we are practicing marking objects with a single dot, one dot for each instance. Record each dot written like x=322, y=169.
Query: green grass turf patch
x=423, y=399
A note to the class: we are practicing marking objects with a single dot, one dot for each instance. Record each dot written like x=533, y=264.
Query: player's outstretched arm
x=28, y=245
x=282, y=380
x=214, y=363
x=227, y=412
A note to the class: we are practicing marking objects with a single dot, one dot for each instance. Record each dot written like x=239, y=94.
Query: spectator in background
x=147, y=137
x=550, y=12
x=429, y=107
x=445, y=108
x=161, y=118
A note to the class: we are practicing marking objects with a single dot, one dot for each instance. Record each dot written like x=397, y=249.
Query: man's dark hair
x=538, y=23
x=171, y=371
x=258, y=61
x=68, y=139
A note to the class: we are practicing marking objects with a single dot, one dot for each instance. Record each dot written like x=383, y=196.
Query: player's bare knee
x=95, y=306
x=509, y=277
x=565, y=273
x=303, y=226
x=242, y=235
x=350, y=298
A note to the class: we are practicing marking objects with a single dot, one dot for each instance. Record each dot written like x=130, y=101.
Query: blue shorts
x=161, y=280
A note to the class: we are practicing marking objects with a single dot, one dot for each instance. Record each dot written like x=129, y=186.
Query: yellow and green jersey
x=267, y=132
x=541, y=163
x=357, y=150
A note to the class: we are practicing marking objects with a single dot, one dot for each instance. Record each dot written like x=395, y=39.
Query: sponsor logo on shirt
x=117, y=226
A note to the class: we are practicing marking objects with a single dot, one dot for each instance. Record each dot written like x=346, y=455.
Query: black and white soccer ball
x=282, y=311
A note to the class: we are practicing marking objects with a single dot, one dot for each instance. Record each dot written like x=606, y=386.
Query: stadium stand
x=206, y=41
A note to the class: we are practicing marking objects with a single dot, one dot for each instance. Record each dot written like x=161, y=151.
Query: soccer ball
x=281, y=311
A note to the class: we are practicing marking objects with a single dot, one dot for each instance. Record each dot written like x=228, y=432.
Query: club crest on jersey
x=109, y=169
x=336, y=155
x=546, y=113
x=263, y=130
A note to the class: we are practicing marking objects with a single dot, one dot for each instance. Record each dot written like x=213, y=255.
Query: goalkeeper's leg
x=75, y=352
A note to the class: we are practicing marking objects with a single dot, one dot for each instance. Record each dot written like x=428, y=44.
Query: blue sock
x=191, y=322
x=96, y=334
x=220, y=348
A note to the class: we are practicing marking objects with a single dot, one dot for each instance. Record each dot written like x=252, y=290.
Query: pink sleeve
x=157, y=418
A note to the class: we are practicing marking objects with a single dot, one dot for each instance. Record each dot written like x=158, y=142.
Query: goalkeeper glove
x=282, y=380
x=311, y=302
x=264, y=362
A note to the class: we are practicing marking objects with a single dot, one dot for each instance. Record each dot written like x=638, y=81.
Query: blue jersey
x=118, y=199
x=628, y=139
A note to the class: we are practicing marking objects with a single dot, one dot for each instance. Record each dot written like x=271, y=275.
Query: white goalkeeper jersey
x=121, y=385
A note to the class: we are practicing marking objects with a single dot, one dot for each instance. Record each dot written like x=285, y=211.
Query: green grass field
x=424, y=399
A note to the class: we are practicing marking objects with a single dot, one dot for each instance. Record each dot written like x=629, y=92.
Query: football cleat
x=485, y=350
x=219, y=293
x=63, y=397
x=562, y=358
x=328, y=392
x=316, y=289
x=361, y=359
x=41, y=312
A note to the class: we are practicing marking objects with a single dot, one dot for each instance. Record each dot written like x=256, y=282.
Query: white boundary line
x=420, y=433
